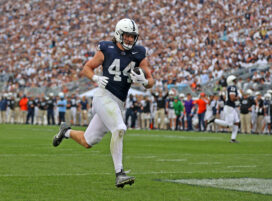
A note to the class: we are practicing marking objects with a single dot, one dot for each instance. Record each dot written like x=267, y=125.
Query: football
x=137, y=71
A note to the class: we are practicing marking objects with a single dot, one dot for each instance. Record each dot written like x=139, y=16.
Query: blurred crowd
x=45, y=42
x=163, y=110
x=45, y=110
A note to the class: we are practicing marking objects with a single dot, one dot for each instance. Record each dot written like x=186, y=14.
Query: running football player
x=231, y=117
x=118, y=58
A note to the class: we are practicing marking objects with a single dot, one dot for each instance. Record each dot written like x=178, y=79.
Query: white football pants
x=230, y=117
x=108, y=116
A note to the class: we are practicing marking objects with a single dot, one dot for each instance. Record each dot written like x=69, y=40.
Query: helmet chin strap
x=126, y=46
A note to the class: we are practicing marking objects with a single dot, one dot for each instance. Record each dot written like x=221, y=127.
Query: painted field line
x=205, y=163
x=41, y=155
x=242, y=166
x=213, y=154
x=151, y=156
x=177, y=137
x=254, y=185
x=171, y=160
x=44, y=129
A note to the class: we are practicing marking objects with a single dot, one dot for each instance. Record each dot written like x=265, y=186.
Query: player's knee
x=85, y=144
x=94, y=140
x=121, y=129
x=119, y=133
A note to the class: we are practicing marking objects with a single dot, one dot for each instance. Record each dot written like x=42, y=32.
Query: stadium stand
x=45, y=43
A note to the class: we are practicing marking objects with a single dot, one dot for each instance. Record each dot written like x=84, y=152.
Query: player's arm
x=96, y=61
x=88, y=69
x=144, y=66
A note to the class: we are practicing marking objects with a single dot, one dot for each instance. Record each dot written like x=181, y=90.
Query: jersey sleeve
x=101, y=46
x=139, y=53
x=142, y=54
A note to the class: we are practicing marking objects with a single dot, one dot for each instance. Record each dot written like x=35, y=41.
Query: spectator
x=84, y=111
x=24, y=107
x=267, y=120
x=50, y=110
x=178, y=107
x=61, y=107
x=260, y=113
x=68, y=113
x=160, y=113
x=17, y=109
x=130, y=112
x=170, y=110
x=189, y=105
x=182, y=123
x=3, y=107
x=42, y=110
x=146, y=117
x=11, y=107
x=30, y=110
x=245, y=113
x=201, y=105
x=74, y=104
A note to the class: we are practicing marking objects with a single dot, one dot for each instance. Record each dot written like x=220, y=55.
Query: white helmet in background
x=51, y=94
x=126, y=26
x=249, y=92
x=267, y=96
x=61, y=95
x=181, y=95
x=230, y=80
x=171, y=93
x=257, y=93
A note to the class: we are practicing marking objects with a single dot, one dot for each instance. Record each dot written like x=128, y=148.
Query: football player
x=118, y=59
x=231, y=118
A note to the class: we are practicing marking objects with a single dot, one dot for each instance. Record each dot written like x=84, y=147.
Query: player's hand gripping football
x=102, y=81
x=139, y=77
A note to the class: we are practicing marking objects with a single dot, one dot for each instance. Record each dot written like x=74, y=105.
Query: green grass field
x=32, y=169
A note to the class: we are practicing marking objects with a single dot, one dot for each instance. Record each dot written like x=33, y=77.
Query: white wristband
x=95, y=78
x=145, y=83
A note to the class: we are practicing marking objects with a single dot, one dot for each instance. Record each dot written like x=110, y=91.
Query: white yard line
x=207, y=138
x=242, y=166
x=255, y=185
x=205, y=163
x=171, y=160
x=42, y=155
x=144, y=156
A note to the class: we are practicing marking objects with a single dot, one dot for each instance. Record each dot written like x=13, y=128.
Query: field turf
x=32, y=169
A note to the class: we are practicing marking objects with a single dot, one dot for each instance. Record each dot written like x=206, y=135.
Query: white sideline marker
x=255, y=185
x=172, y=160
